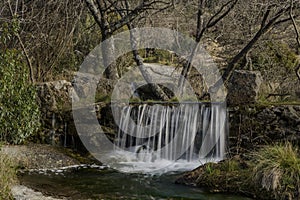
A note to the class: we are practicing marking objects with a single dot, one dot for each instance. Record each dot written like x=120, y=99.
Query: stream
x=87, y=182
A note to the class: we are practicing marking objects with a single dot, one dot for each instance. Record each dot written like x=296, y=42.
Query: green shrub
x=277, y=169
x=7, y=177
x=19, y=112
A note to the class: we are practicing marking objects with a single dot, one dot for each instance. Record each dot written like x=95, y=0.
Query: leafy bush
x=19, y=112
x=277, y=169
x=7, y=177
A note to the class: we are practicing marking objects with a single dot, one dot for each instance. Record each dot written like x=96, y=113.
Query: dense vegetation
x=19, y=117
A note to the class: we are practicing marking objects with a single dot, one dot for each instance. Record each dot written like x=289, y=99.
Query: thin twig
x=294, y=24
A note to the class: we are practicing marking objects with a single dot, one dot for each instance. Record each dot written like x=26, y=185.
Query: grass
x=7, y=177
x=272, y=172
x=277, y=169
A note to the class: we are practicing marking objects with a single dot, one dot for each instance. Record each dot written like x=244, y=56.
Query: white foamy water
x=128, y=162
x=161, y=138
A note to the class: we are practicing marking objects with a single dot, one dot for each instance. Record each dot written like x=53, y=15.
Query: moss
x=134, y=100
x=174, y=99
x=102, y=98
x=230, y=175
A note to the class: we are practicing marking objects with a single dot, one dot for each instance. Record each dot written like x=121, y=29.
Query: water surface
x=99, y=183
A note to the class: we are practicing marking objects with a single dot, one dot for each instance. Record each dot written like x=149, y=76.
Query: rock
x=268, y=115
x=243, y=87
x=169, y=75
x=21, y=192
x=55, y=100
x=54, y=95
x=85, y=83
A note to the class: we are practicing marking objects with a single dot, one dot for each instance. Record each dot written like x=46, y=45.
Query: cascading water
x=186, y=134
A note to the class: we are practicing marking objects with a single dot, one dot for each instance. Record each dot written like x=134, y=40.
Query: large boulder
x=244, y=87
x=85, y=83
x=54, y=95
x=55, y=100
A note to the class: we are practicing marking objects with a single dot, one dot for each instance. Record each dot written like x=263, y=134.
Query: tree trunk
x=139, y=61
x=298, y=72
x=199, y=33
x=100, y=16
x=295, y=27
x=109, y=62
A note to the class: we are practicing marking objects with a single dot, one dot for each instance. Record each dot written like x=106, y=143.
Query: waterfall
x=188, y=131
x=65, y=134
x=53, y=128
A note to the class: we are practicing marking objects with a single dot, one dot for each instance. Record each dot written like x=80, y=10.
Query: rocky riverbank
x=39, y=157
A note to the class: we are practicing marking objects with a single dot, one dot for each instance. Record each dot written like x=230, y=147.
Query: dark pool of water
x=87, y=183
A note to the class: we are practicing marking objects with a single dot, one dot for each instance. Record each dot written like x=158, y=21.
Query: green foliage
x=277, y=169
x=159, y=56
x=174, y=99
x=7, y=176
x=275, y=55
x=19, y=112
x=276, y=61
x=102, y=98
x=134, y=100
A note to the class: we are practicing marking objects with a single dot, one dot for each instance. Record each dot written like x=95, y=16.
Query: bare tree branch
x=142, y=7
x=219, y=15
x=100, y=10
x=28, y=60
x=266, y=25
x=295, y=25
x=298, y=71
x=201, y=29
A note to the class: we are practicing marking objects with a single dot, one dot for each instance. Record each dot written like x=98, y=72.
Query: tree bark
x=199, y=33
x=100, y=16
x=295, y=26
x=139, y=61
x=298, y=72
x=109, y=58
